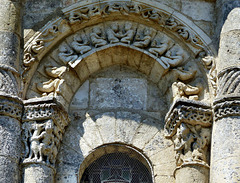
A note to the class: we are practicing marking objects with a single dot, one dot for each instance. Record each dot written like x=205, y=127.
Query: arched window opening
x=116, y=168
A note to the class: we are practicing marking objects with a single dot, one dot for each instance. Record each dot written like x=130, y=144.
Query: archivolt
x=152, y=27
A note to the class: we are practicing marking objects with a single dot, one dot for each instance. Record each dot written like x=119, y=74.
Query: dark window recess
x=116, y=168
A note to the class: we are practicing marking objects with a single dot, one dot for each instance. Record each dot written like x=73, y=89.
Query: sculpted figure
x=79, y=45
x=191, y=143
x=113, y=33
x=183, y=32
x=77, y=17
x=66, y=54
x=47, y=146
x=35, y=152
x=181, y=90
x=55, y=71
x=52, y=87
x=158, y=48
x=97, y=38
x=173, y=57
x=128, y=34
x=143, y=40
x=184, y=75
x=37, y=46
x=171, y=24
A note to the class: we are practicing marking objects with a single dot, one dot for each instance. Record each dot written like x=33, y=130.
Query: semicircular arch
x=84, y=17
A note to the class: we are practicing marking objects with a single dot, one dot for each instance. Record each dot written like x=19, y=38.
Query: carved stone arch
x=54, y=67
x=82, y=15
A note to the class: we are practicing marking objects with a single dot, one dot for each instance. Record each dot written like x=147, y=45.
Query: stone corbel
x=43, y=125
x=188, y=125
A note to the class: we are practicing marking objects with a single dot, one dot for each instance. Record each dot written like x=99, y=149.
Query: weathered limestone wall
x=38, y=13
x=116, y=105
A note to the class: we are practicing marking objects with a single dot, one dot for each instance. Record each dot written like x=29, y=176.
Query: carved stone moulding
x=226, y=106
x=11, y=106
x=188, y=126
x=187, y=111
x=81, y=17
x=43, y=125
x=228, y=83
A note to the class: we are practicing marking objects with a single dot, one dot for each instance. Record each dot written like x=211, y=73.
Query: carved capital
x=188, y=126
x=11, y=106
x=43, y=125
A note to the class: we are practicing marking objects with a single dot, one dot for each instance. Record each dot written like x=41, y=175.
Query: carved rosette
x=188, y=125
x=43, y=125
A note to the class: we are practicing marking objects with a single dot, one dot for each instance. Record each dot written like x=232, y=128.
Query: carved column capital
x=43, y=125
x=188, y=126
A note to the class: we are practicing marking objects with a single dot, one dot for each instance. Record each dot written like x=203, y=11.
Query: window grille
x=116, y=168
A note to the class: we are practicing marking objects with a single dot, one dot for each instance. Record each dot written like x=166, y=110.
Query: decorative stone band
x=11, y=106
x=226, y=106
x=45, y=108
x=87, y=16
x=43, y=125
x=228, y=82
x=188, y=125
x=187, y=111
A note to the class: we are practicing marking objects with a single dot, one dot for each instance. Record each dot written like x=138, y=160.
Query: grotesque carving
x=173, y=57
x=181, y=90
x=97, y=37
x=185, y=75
x=66, y=54
x=188, y=125
x=159, y=47
x=43, y=140
x=191, y=143
x=143, y=38
x=80, y=45
x=52, y=87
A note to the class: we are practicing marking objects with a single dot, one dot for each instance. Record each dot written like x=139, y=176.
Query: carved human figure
x=113, y=33
x=35, y=153
x=173, y=57
x=47, y=146
x=97, y=37
x=79, y=45
x=66, y=54
x=55, y=71
x=159, y=47
x=182, y=90
x=128, y=33
x=143, y=40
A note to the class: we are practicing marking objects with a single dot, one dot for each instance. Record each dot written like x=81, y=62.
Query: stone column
x=223, y=8
x=44, y=121
x=188, y=126
x=10, y=104
x=225, y=151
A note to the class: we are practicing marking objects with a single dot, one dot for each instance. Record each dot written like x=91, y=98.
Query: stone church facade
x=133, y=91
